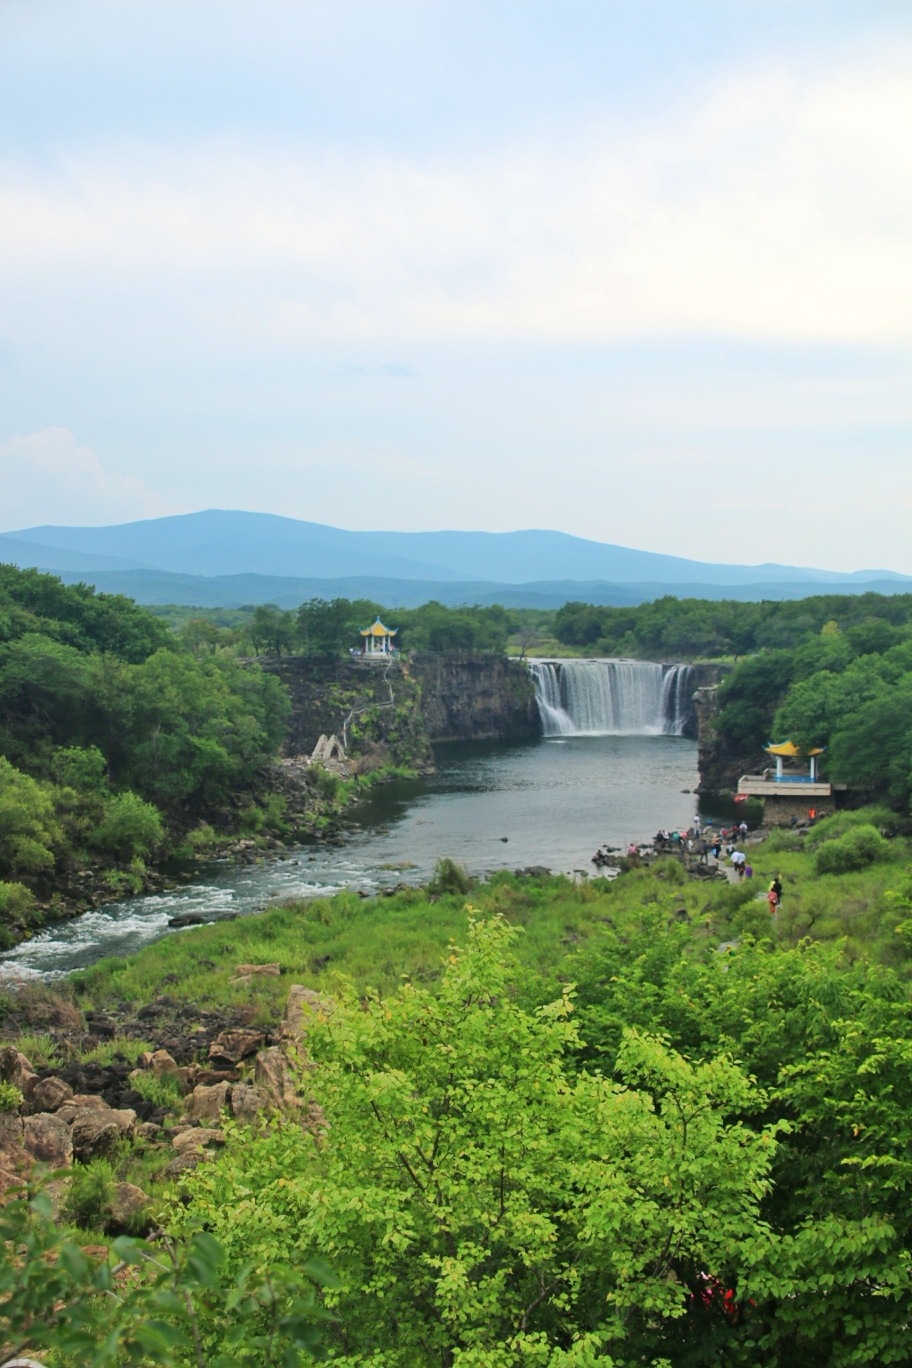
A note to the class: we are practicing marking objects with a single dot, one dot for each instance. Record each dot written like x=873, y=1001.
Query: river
x=490, y=806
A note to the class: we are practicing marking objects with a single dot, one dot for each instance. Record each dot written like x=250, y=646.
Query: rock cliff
x=476, y=698
x=389, y=714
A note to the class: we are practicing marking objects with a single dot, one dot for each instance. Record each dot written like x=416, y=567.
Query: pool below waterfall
x=490, y=806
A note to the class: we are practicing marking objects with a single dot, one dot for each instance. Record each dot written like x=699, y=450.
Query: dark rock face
x=377, y=707
x=476, y=698
x=720, y=764
x=390, y=714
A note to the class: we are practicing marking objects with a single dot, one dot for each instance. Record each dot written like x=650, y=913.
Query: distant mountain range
x=223, y=558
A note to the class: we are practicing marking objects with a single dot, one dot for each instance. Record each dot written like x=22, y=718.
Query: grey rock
x=207, y=1104
x=94, y=1133
x=49, y=1094
x=230, y=1047
x=127, y=1202
x=48, y=1139
x=272, y=1078
x=245, y=1102
x=196, y=1137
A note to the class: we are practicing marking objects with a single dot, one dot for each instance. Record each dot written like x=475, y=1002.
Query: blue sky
x=639, y=272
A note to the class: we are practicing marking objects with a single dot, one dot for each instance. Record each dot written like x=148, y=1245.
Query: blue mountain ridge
x=218, y=543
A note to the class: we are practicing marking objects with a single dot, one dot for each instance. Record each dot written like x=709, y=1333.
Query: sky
x=638, y=272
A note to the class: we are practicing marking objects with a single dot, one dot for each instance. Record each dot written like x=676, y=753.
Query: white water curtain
x=611, y=697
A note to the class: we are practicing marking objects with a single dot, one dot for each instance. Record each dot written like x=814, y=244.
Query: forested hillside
x=113, y=737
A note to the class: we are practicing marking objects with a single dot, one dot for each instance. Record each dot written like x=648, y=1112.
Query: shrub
x=10, y=1097
x=449, y=877
x=39, y=1050
x=110, y=1050
x=832, y=827
x=89, y=1197
x=857, y=849
x=325, y=781
x=16, y=902
x=129, y=827
x=161, y=1091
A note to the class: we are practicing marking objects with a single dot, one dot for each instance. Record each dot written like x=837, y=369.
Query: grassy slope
x=375, y=942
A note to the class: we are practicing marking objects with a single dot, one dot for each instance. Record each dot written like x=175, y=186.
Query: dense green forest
x=632, y=1123
x=112, y=734
x=694, y=629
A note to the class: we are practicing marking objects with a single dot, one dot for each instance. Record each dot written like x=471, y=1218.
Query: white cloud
x=46, y=478
x=777, y=206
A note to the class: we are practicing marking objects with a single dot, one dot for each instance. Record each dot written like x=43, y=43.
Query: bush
x=89, y=1197
x=857, y=849
x=449, y=877
x=16, y=902
x=10, y=1097
x=129, y=827
x=841, y=822
x=28, y=830
x=161, y=1091
x=326, y=782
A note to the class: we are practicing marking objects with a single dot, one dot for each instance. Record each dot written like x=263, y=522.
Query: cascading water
x=612, y=697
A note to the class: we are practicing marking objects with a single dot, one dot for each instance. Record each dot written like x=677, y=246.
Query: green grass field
x=375, y=942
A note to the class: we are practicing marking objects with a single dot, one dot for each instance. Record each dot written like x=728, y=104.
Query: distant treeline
x=688, y=629
x=322, y=628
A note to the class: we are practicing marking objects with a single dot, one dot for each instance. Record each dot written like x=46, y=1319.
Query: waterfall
x=612, y=697
x=677, y=699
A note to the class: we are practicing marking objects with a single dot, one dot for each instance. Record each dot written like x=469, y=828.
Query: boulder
x=94, y=1132
x=249, y=970
x=302, y=1006
x=147, y=1132
x=245, y=1102
x=271, y=1077
x=207, y=1104
x=182, y=1163
x=88, y=1100
x=10, y=1132
x=125, y=1118
x=196, y=1137
x=48, y=1139
x=126, y=1204
x=48, y=1094
x=16, y=1069
x=163, y=1063
x=230, y=1047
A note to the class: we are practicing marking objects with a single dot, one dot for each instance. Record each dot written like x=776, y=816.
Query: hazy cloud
x=46, y=478
x=775, y=207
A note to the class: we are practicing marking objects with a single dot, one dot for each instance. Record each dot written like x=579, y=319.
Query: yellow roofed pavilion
x=377, y=639
x=787, y=750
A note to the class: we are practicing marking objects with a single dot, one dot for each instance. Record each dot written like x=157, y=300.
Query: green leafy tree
x=272, y=630
x=331, y=627
x=167, y=1303
x=129, y=827
x=481, y=1202
x=28, y=827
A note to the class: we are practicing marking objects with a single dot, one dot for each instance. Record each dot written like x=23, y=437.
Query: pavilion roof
x=788, y=748
x=379, y=630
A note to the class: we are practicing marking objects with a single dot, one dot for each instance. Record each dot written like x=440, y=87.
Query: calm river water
x=489, y=806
